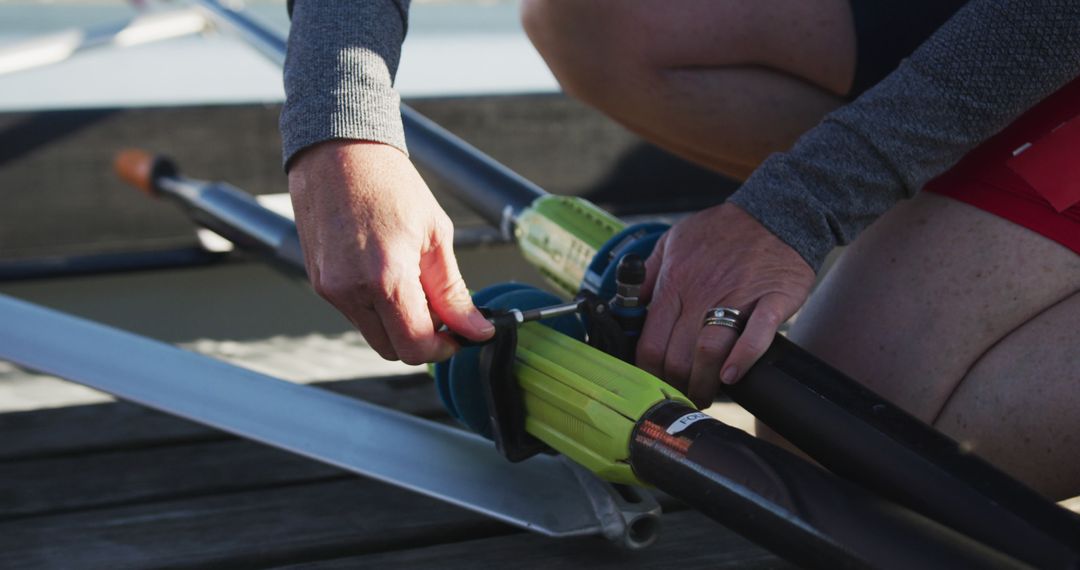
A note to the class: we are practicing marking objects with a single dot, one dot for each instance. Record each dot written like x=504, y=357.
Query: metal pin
x=547, y=312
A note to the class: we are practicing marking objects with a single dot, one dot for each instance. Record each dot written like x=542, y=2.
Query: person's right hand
x=379, y=248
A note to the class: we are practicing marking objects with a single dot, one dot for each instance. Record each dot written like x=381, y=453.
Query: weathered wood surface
x=173, y=471
x=118, y=486
x=688, y=541
x=288, y=523
x=82, y=430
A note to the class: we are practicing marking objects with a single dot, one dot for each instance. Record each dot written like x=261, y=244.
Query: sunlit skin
x=380, y=249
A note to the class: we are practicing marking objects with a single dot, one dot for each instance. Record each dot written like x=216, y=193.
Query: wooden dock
x=114, y=485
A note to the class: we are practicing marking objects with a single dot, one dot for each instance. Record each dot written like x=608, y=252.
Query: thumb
x=448, y=296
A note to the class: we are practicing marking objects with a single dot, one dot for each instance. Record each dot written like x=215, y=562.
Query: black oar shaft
x=787, y=505
x=865, y=438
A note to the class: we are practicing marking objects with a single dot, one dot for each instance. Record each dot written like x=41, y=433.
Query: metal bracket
x=629, y=516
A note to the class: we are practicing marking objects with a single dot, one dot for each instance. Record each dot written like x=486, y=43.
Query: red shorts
x=1028, y=173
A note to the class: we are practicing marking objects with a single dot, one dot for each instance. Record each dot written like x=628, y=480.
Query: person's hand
x=380, y=249
x=720, y=257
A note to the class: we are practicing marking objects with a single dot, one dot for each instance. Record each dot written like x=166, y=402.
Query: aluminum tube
x=489, y=188
x=236, y=216
x=795, y=509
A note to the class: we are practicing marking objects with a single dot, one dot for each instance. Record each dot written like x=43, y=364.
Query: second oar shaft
x=862, y=437
x=788, y=505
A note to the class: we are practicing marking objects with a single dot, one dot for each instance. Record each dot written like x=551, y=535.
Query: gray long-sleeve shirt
x=988, y=64
x=339, y=72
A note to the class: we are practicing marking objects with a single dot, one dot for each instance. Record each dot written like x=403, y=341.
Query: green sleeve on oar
x=559, y=235
x=584, y=403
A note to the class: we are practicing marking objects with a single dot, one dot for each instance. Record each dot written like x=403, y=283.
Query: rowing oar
x=843, y=425
x=631, y=428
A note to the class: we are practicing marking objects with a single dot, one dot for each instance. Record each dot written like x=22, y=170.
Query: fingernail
x=729, y=375
x=482, y=325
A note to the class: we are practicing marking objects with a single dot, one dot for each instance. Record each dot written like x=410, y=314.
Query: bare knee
x=585, y=50
x=558, y=44
x=610, y=46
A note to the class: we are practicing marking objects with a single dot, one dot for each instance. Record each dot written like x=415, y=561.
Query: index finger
x=765, y=319
x=410, y=324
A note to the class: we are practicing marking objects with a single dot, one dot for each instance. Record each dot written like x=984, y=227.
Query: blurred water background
x=457, y=47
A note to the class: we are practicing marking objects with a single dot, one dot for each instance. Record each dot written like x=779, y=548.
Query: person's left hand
x=720, y=257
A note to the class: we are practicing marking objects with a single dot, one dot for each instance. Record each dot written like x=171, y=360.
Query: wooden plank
x=258, y=528
x=344, y=524
x=103, y=480
x=91, y=428
x=119, y=426
x=110, y=479
x=689, y=540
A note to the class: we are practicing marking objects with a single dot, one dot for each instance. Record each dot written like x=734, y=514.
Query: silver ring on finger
x=724, y=317
x=722, y=312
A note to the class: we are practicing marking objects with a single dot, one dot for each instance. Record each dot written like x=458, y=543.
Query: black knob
x=631, y=270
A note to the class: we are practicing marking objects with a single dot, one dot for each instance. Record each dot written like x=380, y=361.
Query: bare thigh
x=940, y=307
x=1018, y=406
x=723, y=83
x=812, y=40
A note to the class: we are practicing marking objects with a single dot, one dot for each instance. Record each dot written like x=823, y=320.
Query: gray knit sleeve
x=988, y=64
x=339, y=73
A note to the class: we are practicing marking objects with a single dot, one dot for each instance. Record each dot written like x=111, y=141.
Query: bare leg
x=944, y=309
x=1018, y=405
x=723, y=83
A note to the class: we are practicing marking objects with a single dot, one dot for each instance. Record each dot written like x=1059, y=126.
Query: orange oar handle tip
x=141, y=169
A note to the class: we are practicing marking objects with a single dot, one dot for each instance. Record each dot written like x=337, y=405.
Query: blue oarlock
x=458, y=379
